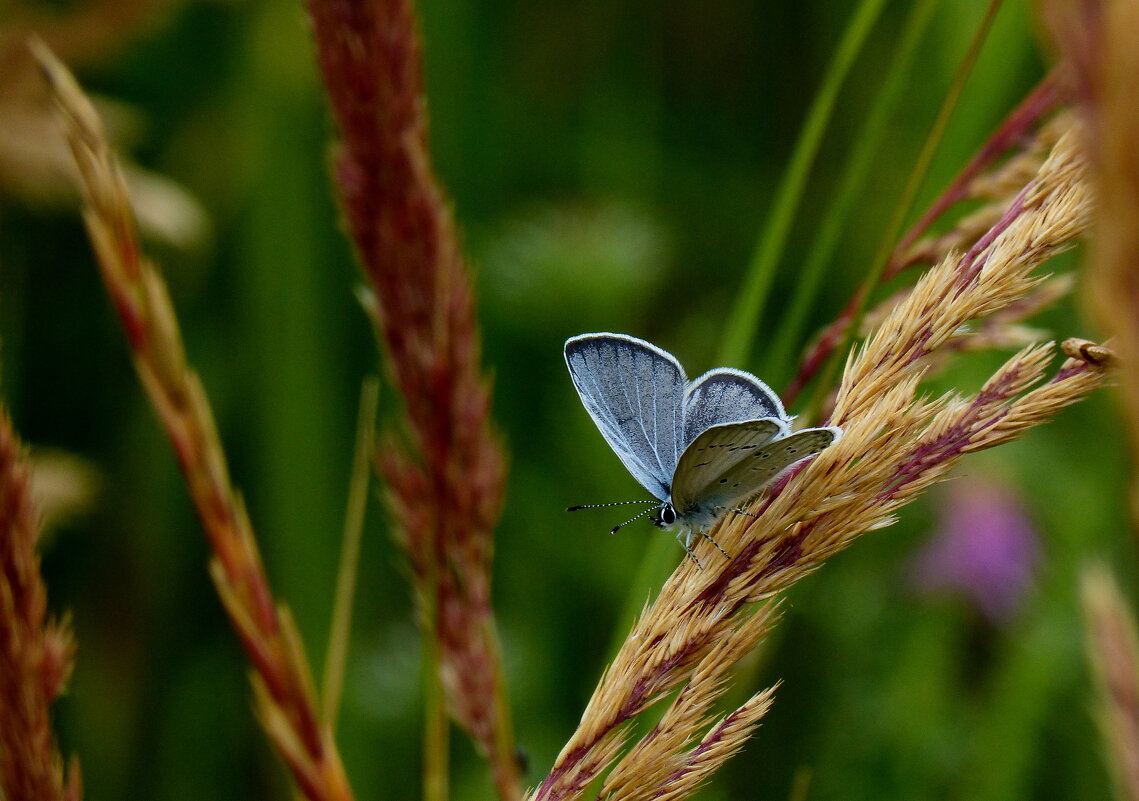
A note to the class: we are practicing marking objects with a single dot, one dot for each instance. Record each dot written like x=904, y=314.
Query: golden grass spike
x=664, y=751
x=283, y=691
x=1100, y=43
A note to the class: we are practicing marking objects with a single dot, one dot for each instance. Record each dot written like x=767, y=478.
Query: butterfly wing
x=709, y=464
x=727, y=464
x=727, y=396
x=634, y=391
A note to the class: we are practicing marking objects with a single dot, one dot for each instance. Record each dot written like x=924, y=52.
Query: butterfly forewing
x=707, y=464
x=740, y=470
x=634, y=392
x=727, y=396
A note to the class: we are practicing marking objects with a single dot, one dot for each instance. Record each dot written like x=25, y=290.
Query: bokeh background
x=611, y=166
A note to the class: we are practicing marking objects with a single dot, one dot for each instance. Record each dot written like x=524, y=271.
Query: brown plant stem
x=36, y=653
x=1012, y=130
x=283, y=692
x=1043, y=99
x=445, y=471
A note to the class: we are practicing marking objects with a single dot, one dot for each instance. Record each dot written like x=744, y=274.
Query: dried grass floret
x=973, y=182
x=36, y=652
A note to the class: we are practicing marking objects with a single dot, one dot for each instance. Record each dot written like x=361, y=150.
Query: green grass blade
x=745, y=315
x=790, y=333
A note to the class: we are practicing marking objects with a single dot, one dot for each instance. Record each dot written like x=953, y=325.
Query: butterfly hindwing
x=727, y=396
x=707, y=463
x=740, y=469
x=634, y=392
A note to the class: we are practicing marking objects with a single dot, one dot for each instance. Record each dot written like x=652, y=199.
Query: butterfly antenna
x=637, y=516
x=603, y=505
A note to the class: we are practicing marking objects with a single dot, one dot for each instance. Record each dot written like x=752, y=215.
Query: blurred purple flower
x=984, y=548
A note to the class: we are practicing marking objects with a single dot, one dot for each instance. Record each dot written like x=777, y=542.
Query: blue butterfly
x=702, y=447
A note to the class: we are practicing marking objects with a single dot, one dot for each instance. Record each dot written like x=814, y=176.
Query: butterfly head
x=666, y=516
x=688, y=526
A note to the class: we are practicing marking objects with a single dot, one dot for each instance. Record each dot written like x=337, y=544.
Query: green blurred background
x=611, y=165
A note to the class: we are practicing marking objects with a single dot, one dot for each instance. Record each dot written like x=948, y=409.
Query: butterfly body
x=699, y=447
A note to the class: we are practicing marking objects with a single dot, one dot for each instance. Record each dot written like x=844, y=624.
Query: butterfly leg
x=684, y=538
x=734, y=510
x=708, y=537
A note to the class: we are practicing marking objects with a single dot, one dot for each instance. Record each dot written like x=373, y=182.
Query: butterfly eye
x=667, y=515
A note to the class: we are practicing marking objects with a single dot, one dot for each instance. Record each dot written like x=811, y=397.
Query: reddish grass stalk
x=446, y=478
x=1046, y=97
x=1043, y=99
x=284, y=697
x=36, y=653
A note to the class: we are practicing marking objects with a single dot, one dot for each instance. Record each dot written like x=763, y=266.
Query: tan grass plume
x=1099, y=41
x=896, y=443
x=985, y=178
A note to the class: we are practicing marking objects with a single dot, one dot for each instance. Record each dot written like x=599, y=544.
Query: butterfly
x=702, y=447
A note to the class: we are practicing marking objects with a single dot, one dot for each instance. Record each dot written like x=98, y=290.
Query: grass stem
x=857, y=166
x=340, y=629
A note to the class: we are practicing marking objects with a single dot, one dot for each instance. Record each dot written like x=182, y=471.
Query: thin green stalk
x=505, y=758
x=800, y=785
x=856, y=167
x=745, y=315
x=335, y=658
x=436, y=746
x=905, y=203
